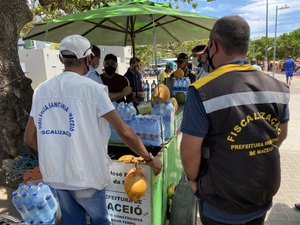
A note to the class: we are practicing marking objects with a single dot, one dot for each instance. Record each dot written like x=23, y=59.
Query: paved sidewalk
x=283, y=211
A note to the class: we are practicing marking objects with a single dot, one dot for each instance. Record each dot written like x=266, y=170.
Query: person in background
x=69, y=127
x=182, y=62
x=118, y=85
x=234, y=171
x=289, y=67
x=197, y=52
x=136, y=85
x=92, y=72
x=166, y=73
x=254, y=64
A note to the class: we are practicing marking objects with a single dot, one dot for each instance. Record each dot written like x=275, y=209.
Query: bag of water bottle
x=166, y=110
x=126, y=112
x=35, y=203
x=148, y=129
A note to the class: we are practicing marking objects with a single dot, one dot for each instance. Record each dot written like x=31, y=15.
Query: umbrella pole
x=155, y=60
x=135, y=81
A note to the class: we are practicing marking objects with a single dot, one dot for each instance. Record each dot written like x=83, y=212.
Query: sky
x=254, y=11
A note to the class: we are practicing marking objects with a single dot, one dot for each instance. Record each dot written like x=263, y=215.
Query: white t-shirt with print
x=72, y=136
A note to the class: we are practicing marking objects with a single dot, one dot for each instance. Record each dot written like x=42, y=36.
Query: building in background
x=40, y=63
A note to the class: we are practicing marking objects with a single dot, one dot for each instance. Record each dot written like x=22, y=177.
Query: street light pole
x=274, y=59
x=266, y=53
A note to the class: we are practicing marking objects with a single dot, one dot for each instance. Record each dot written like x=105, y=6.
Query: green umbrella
x=127, y=24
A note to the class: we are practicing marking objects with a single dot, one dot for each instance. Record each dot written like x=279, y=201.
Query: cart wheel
x=184, y=207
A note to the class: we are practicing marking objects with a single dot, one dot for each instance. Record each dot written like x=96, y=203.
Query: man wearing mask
x=234, y=122
x=182, y=63
x=95, y=59
x=118, y=85
x=197, y=52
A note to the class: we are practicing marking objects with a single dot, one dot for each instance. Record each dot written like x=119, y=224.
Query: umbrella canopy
x=127, y=24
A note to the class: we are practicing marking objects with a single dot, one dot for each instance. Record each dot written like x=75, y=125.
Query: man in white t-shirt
x=69, y=126
x=254, y=64
x=95, y=60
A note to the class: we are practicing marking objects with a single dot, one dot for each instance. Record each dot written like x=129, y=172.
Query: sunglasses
x=180, y=61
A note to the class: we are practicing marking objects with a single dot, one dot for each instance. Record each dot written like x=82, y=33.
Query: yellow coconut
x=179, y=73
x=175, y=104
x=163, y=95
x=135, y=184
x=126, y=157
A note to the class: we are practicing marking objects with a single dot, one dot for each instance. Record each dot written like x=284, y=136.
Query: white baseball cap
x=77, y=45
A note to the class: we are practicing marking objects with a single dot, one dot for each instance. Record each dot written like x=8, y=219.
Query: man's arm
x=190, y=152
x=30, y=136
x=132, y=140
x=283, y=134
x=118, y=95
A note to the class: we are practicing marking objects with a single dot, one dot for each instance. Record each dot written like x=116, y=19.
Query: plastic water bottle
x=43, y=210
x=155, y=109
x=184, y=84
x=181, y=84
x=44, y=189
x=168, y=119
x=146, y=91
x=157, y=131
x=121, y=110
x=32, y=214
x=139, y=125
x=18, y=202
x=22, y=188
x=188, y=82
x=51, y=202
x=153, y=85
x=176, y=85
x=133, y=111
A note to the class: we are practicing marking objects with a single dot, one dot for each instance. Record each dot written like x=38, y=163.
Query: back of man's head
x=96, y=51
x=198, y=48
x=134, y=60
x=74, y=49
x=233, y=33
x=253, y=61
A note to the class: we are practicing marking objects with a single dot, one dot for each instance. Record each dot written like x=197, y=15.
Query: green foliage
x=286, y=45
x=168, y=50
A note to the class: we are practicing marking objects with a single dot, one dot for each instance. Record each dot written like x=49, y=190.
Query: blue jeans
x=77, y=205
x=207, y=221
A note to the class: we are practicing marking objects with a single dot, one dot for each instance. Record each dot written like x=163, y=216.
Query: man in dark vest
x=234, y=121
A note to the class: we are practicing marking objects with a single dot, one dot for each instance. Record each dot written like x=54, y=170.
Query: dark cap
x=182, y=57
x=111, y=56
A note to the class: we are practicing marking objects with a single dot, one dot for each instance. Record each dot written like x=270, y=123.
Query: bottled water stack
x=126, y=112
x=35, y=204
x=181, y=84
x=148, y=129
x=168, y=114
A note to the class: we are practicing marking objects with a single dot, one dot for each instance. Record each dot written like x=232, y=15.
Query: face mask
x=110, y=70
x=195, y=61
x=208, y=65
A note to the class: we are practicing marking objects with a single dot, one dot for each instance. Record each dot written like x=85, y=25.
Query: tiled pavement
x=283, y=211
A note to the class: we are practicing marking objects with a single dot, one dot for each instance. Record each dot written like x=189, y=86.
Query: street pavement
x=283, y=211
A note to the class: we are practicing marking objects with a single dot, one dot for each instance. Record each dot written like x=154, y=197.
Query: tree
x=15, y=89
